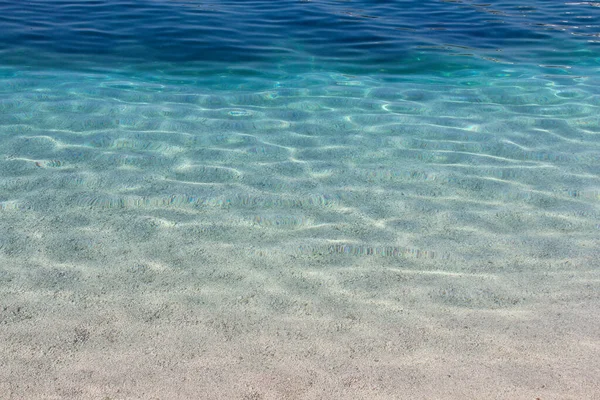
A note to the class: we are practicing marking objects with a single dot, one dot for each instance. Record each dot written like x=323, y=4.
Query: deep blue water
x=262, y=37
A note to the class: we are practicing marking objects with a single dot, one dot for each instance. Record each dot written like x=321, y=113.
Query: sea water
x=425, y=122
x=270, y=140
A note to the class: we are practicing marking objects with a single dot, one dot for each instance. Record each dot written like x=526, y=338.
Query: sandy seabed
x=158, y=303
x=327, y=242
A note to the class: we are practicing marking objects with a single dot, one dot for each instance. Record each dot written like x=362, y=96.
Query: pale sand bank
x=140, y=304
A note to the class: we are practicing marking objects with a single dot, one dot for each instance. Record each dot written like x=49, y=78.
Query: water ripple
x=398, y=36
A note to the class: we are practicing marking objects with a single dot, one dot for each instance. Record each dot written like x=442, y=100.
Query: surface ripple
x=407, y=36
x=299, y=199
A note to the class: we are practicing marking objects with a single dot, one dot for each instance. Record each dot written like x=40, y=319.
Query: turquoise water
x=311, y=176
x=438, y=163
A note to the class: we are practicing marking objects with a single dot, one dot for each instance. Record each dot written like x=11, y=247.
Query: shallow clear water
x=288, y=137
x=301, y=116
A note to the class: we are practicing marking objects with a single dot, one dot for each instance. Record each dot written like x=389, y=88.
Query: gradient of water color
x=447, y=136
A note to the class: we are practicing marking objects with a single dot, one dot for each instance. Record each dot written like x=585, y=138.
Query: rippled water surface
x=308, y=152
